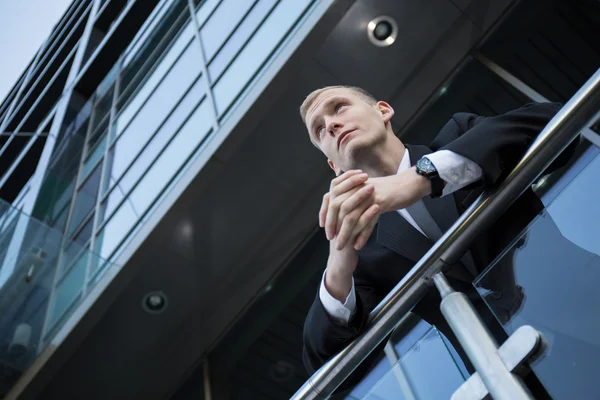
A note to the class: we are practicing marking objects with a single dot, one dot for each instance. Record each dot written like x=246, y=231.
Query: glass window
x=85, y=233
x=69, y=288
x=156, y=110
x=129, y=112
x=147, y=29
x=205, y=9
x=116, y=230
x=86, y=199
x=97, y=133
x=101, y=110
x=106, y=83
x=60, y=220
x=256, y=52
x=141, y=81
x=252, y=21
x=158, y=142
x=222, y=23
x=411, y=376
x=113, y=201
x=549, y=279
x=158, y=176
x=93, y=158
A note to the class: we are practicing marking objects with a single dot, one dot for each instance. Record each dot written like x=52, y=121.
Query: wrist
x=421, y=183
x=407, y=182
x=340, y=268
x=344, y=260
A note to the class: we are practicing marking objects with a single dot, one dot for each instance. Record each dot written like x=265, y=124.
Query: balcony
x=44, y=277
x=540, y=290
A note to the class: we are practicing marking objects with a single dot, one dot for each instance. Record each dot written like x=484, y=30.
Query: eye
x=338, y=107
x=320, y=131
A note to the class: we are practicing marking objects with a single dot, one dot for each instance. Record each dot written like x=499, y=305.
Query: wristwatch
x=426, y=168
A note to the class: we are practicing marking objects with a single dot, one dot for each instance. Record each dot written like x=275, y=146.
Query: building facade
x=159, y=237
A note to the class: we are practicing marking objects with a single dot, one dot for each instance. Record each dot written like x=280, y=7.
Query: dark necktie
x=425, y=221
x=431, y=229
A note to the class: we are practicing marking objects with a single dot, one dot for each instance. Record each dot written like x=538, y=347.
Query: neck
x=385, y=160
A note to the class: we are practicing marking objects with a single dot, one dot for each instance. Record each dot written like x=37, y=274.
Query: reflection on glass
x=158, y=176
x=85, y=232
x=155, y=78
x=235, y=43
x=205, y=9
x=139, y=62
x=94, y=157
x=417, y=357
x=113, y=201
x=102, y=108
x=242, y=34
x=116, y=229
x=426, y=371
x=69, y=287
x=557, y=271
x=257, y=51
x=8, y=225
x=158, y=142
x=222, y=23
x=147, y=29
x=156, y=109
x=86, y=199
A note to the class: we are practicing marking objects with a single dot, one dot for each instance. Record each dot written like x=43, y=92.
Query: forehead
x=325, y=97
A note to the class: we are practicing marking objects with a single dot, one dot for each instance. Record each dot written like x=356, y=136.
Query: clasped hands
x=351, y=208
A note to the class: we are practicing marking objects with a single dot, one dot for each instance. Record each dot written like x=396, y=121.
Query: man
x=390, y=202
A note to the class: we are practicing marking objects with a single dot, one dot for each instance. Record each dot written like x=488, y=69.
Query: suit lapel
x=398, y=235
x=444, y=212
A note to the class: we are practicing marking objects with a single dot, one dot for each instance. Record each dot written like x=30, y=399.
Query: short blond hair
x=310, y=99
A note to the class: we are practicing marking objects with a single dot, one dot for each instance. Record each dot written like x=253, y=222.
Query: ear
x=335, y=169
x=387, y=112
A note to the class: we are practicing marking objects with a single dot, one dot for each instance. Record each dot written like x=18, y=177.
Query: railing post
x=478, y=343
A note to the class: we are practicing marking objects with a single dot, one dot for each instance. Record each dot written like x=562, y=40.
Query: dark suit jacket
x=496, y=144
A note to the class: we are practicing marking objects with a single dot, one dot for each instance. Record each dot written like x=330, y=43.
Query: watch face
x=426, y=166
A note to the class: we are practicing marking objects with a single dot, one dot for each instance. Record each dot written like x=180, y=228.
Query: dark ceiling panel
x=350, y=56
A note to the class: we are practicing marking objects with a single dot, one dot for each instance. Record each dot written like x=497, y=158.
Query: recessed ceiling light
x=155, y=302
x=382, y=31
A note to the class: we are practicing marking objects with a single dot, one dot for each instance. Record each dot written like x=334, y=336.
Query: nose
x=334, y=127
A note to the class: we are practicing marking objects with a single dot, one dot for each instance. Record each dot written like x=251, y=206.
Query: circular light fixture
x=382, y=31
x=281, y=371
x=154, y=302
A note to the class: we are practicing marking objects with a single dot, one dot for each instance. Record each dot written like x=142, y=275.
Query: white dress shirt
x=456, y=170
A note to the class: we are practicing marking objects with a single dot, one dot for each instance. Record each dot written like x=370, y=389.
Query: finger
x=356, y=200
x=349, y=184
x=363, y=223
x=340, y=201
x=332, y=214
x=344, y=176
x=371, y=217
x=323, y=210
x=347, y=227
x=331, y=217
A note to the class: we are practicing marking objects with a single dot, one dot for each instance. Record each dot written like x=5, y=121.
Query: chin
x=357, y=148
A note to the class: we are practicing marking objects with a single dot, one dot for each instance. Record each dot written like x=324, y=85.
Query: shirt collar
x=404, y=163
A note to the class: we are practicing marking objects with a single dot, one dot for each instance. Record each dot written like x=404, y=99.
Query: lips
x=343, y=135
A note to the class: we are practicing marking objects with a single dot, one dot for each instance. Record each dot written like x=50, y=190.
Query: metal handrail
x=554, y=138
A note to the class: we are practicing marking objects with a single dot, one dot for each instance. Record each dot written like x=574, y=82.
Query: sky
x=24, y=25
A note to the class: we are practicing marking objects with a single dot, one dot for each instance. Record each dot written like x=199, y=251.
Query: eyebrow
x=325, y=106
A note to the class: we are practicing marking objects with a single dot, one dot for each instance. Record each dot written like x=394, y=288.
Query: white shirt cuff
x=336, y=310
x=457, y=171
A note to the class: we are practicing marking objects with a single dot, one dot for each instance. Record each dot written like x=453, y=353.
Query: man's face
x=346, y=127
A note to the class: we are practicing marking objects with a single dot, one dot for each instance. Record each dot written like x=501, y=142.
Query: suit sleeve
x=497, y=143
x=324, y=337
